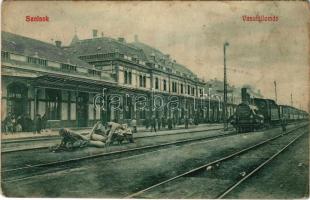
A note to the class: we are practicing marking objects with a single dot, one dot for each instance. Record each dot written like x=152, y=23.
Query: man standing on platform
x=134, y=125
x=153, y=124
x=186, y=122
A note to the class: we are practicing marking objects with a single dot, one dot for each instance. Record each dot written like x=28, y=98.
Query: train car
x=292, y=114
x=269, y=109
x=254, y=113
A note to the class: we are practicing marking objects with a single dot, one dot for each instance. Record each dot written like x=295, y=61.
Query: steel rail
x=213, y=162
x=259, y=167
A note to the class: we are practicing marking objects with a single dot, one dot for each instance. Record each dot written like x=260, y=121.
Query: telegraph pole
x=291, y=99
x=275, y=90
x=225, y=88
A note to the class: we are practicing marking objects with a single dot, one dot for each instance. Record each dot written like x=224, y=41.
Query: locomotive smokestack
x=244, y=95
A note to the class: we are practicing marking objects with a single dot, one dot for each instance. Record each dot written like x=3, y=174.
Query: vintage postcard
x=155, y=99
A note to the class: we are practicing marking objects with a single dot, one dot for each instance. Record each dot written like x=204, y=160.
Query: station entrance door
x=82, y=109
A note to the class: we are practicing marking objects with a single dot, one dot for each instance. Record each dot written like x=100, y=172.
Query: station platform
x=142, y=131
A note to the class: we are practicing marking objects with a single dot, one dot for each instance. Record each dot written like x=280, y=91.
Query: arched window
x=17, y=99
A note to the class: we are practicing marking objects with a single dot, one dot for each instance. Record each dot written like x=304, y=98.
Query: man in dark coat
x=159, y=123
x=44, y=121
x=169, y=123
x=163, y=122
x=153, y=124
x=38, y=124
x=186, y=122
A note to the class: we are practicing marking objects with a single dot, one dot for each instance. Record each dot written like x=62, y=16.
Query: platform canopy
x=69, y=83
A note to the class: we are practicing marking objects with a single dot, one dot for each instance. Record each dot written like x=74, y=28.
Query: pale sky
x=193, y=33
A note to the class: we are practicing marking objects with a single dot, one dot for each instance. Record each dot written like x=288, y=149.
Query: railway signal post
x=225, y=88
x=275, y=90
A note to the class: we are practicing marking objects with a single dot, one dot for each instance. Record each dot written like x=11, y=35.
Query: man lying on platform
x=97, y=137
x=71, y=140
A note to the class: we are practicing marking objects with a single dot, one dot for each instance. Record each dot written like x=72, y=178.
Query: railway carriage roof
x=266, y=100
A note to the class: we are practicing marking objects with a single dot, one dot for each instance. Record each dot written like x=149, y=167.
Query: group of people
x=24, y=123
x=156, y=124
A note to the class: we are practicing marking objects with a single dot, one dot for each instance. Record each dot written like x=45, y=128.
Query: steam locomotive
x=256, y=113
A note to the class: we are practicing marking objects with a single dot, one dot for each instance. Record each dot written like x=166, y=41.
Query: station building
x=41, y=78
x=99, y=78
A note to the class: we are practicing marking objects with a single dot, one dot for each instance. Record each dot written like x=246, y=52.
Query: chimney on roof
x=153, y=56
x=121, y=39
x=95, y=31
x=58, y=43
x=136, y=38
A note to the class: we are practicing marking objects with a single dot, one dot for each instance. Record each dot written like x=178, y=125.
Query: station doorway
x=82, y=109
x=17, y=103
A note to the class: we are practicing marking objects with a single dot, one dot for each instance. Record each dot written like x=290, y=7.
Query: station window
x=156, y=83
x=201, y=92
x=165, y=85
x=193, y=91
x=127, y=77
x=144, y=81
x=140, y=81
x=174, y=87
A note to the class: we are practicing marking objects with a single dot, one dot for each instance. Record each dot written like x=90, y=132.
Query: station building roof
x=158, y=57
x=104, y=45
x=29, y=47
x=22, y=45
x=143, y=52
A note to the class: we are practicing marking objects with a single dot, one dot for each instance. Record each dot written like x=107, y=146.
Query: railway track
x=57, y=138
x=29, y=171
x=256, y=169
x=32, y=170
x=202, y=169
